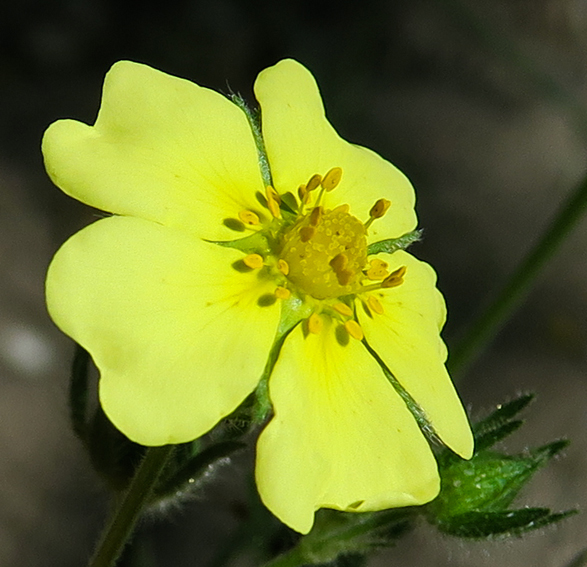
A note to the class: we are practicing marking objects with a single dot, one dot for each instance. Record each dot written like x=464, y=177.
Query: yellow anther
x=344, y=277
x=354, y=329
x=306, y=232
x=339, y=262
x=341, y=209
x=282, y=293
x=379, y=208
x=316, y=216
x=332, y=179
x=249, y=217
x=273, y=200
x=395, y=278
x=375, y=305
x=343, y=309
x=376, y=263
x=302, y=193
x=315, y=180
x=377, y=273
x=283, y=267
x=315, y=323
x=254, y=261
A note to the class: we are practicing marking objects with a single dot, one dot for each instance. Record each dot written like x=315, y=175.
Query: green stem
x=496, y=314
x=125, y=518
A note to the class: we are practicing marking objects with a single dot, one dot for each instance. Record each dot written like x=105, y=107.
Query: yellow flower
x=181, y=327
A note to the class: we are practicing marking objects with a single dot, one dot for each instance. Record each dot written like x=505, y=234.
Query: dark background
x=483, y=106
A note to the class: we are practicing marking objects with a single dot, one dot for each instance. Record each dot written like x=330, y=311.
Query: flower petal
x=163, y=149
x=175, y=331
x=301, y=142
x=407, y=338
x=341, y=437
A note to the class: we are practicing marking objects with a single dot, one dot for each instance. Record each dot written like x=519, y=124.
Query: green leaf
x=394, y=244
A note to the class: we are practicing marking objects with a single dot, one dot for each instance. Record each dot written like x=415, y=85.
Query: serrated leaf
x=502, y=414
x=489, y=438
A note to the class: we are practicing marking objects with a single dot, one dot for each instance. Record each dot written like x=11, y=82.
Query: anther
x=395, y=278
x=332, y=179
x=344, y=277
x=377, y=270
x=316, y=216
x=354, y=329
x=315, y=180
x=249, y=217
x=283, y=267
x=306, y=232
x=302, y=192
x=273, y=201
x=343, y=309
x=339, y=262
x=344, y=209
x=315, y=323
x=282, y=293
x=375, y=305
x=253, y=261
x=379, y=208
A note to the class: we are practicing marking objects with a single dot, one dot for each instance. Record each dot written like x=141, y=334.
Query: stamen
x=253, y=261
x=283, y=267
x=316, y=216
x=332, y=179
x=306, y=232
x=354, y=329
x=282, y=293
x=377, y=270
x=395, y=278
x=273, y=201
x=377, y=211
x=344, y=209
x=315, y=180
x=249, y=217
x=343, y=309
x=315, y=323
x=375, y=305
x=302, y=192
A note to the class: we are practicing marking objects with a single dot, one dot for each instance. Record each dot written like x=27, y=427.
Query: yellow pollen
x=354, y=329
x=306, y=232
x=273, y=201
x=343, y=309
x=332, y=179
x=395, y=278
x=282, y=293
x=314, y=182
x=283, y=267
x=316, y=216
x=249, y=217
x=375, y=305
x=379, y=208
x=254, y=261
x=327, y=260
x=315, y=323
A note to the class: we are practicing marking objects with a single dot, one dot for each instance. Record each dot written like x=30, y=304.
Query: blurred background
x=482, y=105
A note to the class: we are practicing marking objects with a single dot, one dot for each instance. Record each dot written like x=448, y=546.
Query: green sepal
x=503, y=523
x=503, y=414
x=293, y=310
x=394, y=244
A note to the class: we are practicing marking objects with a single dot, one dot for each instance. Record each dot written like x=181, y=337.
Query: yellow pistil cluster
x=322, y=254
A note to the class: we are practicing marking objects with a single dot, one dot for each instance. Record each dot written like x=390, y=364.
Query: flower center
x=326, y=250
